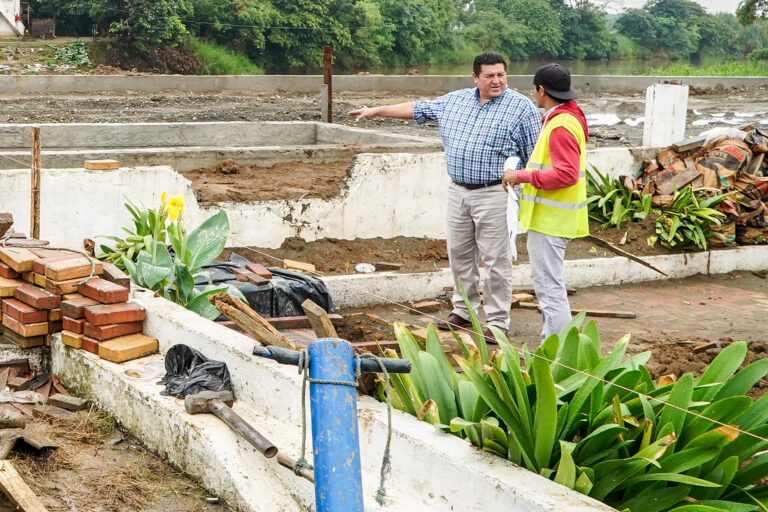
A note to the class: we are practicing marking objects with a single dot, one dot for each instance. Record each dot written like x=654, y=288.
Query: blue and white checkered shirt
x=479, y=138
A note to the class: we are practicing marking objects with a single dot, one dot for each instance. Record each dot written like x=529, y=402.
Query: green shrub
x=621, y=437
x=219, y=60
x=729, y=68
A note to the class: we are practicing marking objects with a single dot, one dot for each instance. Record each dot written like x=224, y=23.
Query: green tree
x=490, y=30
x=420, y=26
x=238, y=24
x=585, y=33
x=637, y=24
x=544, y=36
x=751, y=10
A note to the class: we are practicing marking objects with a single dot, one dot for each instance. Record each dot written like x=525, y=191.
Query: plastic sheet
x=189, y=372
x=281, y=296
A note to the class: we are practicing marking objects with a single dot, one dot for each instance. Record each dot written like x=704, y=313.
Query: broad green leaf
x=610, y=475
x=568, y=356
x=480, y=342
x=154, y=273
x=722, y=367
x=458, y=424
x=566, y=470
x=671, y=477
x=696, y=508
x=684, y=460
x=729, y=506
x=722, y=474
x=546, y=410
x=207, y=241
x=584, y=483
x=743, y=381
x=745, y=446
x=472, y=407
x=724, y=411
x=681, y=398
x=184, y=282
x=439, y=390
x=202, y=306
x=436, y=349
x=655, y=500
x=410, y=349
x=752, y=472
x=756, y=415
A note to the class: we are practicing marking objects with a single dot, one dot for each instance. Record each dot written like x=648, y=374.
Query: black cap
x=556, y=80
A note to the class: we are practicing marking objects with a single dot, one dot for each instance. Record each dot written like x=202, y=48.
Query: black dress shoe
x=453, y=321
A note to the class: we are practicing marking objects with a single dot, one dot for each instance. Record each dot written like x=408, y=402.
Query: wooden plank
x=101, y=165
x=250, y=321
x=115, y=275
x=50, y=411
x=386, y=265
x=14, y=487
x=318, y=318
x=295, y=265
x=590, y=312
x=34, y=201
x=621, y=252
x=4, y=377
x=18, y=258
x=689, y=144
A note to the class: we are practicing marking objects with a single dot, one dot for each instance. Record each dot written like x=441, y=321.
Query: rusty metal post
x=34, y=216
x=328, y=81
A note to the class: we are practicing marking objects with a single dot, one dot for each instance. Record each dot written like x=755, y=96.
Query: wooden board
x=101, y=165
x=250, y=321
x=295, y=265
x=127, y=348
x=64, y=270
x=14, y=487
x=18, y=258
x=319, y=320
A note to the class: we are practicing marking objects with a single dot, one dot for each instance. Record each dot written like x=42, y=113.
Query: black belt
x=475, y=186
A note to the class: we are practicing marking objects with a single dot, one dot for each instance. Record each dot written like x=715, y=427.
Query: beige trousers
x=477, y=231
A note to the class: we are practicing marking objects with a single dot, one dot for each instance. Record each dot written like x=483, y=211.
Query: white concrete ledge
x=369, y=289
x=310, y=84
x=431, y=470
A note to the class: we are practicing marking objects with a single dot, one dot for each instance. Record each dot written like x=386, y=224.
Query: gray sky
x=712, y=6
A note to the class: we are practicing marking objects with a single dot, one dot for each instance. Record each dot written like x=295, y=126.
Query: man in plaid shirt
x=480, y=127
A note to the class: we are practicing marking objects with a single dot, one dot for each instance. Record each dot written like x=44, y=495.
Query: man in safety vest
x=553, y=205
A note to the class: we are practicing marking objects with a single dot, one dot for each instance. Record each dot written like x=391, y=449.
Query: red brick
x=109, y=331
x=23, y=313
x=74, y=325
x=39, y=265
x=37, y=297
x=72, y=268
x=103, y=314
x=75, y=308
x=104, y=291
x=28, y=242
x=55, y=326
x=259, y=270
x=62, y=287
x=8, y=272
x=91, y=345
x=26, y=330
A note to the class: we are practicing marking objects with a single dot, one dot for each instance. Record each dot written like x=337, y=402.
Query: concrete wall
x=310, y=84
x=384, y=195
x=431, y=470
x=9, y=27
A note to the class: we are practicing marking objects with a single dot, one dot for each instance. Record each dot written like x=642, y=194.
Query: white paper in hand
x=513, y=209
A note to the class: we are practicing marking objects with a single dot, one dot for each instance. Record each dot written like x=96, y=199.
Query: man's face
x=540, y=94
x=492, y=80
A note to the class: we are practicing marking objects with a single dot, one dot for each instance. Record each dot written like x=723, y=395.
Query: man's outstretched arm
x=397, y=111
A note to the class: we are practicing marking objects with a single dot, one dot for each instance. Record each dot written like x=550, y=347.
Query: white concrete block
x=666, y=108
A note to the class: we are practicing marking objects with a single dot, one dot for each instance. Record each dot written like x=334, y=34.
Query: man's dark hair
x=487, y=58
x=537, y=85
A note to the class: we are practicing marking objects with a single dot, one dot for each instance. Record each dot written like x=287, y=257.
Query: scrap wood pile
x=45, y=291
x=728, y=173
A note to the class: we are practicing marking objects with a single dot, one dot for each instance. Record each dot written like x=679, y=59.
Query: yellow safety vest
x=561, y=212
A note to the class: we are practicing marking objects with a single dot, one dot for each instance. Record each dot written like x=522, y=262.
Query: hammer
x=220, y=403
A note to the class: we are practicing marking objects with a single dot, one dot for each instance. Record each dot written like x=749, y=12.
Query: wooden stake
x=34, y=218
x=17, y=490
x=621, y=252
x=328, y=80
x=318, y=317
x=250, y=321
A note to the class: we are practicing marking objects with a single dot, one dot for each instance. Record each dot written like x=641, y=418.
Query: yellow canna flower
x=163, y=196
x=174, y=207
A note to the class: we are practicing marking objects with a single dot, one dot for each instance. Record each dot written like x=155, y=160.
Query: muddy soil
x=614, y=118
x=335, y=256
x=99, y=468
x=240, y=183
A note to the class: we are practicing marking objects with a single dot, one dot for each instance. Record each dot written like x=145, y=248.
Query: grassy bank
x=733, y=68
x=218, y=60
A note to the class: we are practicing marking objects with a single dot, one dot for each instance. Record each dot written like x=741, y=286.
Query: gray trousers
x=547, y=254
x=477, y=230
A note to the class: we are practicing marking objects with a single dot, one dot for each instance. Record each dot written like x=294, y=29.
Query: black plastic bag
x=189, y=372
x=280, y=296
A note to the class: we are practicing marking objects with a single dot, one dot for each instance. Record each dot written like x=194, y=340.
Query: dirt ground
x=335, y=256
x=672, y=318
x=727, y=107
x=245, y=183
x=99, y=468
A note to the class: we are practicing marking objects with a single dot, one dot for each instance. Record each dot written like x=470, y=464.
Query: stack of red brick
x=41, y=294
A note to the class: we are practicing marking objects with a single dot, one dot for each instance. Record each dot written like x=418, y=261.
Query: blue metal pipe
x=335, y=438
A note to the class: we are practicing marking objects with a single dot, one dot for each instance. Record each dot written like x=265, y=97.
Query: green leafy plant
x=610, y=203
x=599, y=424
x=688, y=222
x=144, y=254
x=75, y=53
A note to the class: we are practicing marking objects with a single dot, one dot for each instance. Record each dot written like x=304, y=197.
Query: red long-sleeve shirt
x=564, y=152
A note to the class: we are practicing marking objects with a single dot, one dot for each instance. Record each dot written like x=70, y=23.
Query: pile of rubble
x=725, y=161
